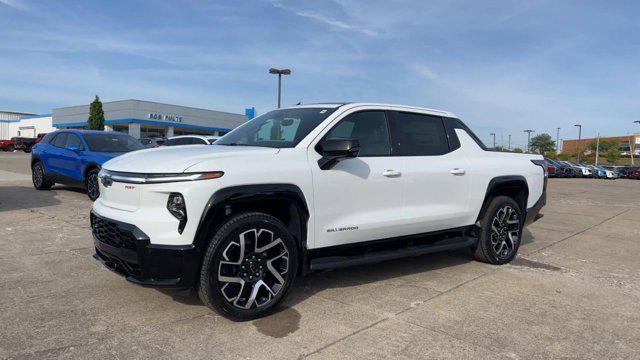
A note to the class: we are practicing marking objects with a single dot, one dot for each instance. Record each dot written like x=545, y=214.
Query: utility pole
x=494, y=140
x=279, y=72
x=529, y=139
x=509, y=147
x=557, y=142
x=597, y=148
x=579, y=140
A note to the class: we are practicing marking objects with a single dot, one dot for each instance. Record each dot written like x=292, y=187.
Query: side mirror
x=73, y=148
x=335, y=150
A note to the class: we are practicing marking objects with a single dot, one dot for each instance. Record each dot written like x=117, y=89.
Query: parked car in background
x=74, y=157
x=627, y=171
x=152, y=142
x=191, y=140
x=635, y=175
x=551, y=169
x=40, y=137
x=562, y=170
x=23, y=143
x=7, y=145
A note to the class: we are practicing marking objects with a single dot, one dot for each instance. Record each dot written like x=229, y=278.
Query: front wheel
x=501, y=231
x=39, y=177
x=91, y=182
x=248, y=267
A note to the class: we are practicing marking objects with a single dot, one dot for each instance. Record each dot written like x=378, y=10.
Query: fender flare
x=505, y=181
x=219, y=204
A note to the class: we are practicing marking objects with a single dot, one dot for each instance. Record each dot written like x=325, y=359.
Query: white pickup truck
x=306, y=188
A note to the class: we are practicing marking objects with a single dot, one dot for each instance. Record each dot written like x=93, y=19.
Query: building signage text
x=174, y=118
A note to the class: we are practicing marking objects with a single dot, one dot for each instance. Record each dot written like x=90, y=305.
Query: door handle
x=391, y=173
x=458, y=171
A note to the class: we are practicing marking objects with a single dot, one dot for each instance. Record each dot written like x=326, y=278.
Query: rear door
x=435, y=179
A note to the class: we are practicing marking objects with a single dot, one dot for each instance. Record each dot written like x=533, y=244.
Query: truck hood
x=177, y=159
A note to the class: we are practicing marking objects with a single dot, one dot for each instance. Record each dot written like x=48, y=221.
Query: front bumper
x=126, y=250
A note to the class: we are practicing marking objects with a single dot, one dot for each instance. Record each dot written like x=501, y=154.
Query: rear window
x=417, y=134
x=111, y=142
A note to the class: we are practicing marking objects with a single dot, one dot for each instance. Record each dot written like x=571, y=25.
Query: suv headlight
x=178, y=208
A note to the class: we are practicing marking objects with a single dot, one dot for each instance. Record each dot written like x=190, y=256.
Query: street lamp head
x=280, y=71
x=578, y=125
x=637, y=121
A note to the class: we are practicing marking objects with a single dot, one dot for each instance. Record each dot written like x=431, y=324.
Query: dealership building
x=142, y=119
x=20, y=124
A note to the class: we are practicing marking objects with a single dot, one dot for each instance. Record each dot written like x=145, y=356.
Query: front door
x=359, y=199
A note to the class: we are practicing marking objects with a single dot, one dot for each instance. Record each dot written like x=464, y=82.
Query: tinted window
x=60, y=140
x=47, y=138
x=182, y=141
x=112, y=142
x=279, y=128
x=369, y=127
x=417, y=134
x=73, y=140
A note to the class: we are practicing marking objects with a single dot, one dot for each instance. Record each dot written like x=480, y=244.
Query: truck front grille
x=110, y=233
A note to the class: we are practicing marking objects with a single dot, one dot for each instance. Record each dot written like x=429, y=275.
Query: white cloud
x=334, y=23
x=16, y=4
x=424, y=71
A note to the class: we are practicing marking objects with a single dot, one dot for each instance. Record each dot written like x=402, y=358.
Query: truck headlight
x=178, y=208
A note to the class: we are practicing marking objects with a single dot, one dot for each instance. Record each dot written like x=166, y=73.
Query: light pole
x=579, y=139
x=632, y=149
x=529, y=139
x=509, y=147
x=557, y=140
x=279, y=72
x=494, y=140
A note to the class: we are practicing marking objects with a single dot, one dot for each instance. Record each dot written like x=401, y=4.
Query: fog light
x=177, y=208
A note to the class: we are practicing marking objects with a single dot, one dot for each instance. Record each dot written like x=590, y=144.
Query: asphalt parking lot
x=574, y=292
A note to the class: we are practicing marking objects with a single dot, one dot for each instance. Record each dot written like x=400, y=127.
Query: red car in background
x=635, y=175
x=7, y=145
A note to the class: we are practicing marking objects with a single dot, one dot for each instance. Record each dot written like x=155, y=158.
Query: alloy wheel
x=93, y=190
x=505, y=231
x=253, y=269
x=37, y=175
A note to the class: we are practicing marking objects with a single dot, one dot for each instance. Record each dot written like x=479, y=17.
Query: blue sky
x=502, y=66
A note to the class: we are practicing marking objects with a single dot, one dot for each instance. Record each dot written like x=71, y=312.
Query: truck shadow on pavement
x=412, y=271
x=23, y=198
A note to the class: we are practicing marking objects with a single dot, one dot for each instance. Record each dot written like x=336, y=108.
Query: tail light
x=543, y=165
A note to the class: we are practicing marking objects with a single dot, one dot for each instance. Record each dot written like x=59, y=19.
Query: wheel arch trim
x=505, y=182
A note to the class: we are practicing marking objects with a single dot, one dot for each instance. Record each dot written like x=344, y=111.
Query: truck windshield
x=112, y=142
x=278, y=129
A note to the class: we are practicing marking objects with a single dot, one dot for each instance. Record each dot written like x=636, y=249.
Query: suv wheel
x=248, y=267
x=39, y=177
x=501, y=231
x=91, y=183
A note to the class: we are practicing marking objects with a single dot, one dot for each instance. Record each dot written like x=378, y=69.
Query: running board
x=333, y=262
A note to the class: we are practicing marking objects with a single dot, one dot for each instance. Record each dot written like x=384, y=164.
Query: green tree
x=605, y=145
x=551, y=155
x=564, y=156
x=96, y=115
x=518, y=150
x=612, y=156
x=542, y=143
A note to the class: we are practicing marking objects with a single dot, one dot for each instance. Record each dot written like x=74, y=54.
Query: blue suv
x=74, y=157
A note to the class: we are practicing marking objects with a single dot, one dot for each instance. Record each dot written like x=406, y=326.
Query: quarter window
x=369, y=127
x=417, y=135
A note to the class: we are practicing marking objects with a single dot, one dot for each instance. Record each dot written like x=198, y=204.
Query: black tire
x=91, y=184
x=501, y=231
x=224, y=260
x=39, y=177
x=11, y=148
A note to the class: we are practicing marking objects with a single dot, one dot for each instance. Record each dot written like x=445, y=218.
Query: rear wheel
x=501, y=230
x=91, y=183
x=39, y=177
x=248, y=267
